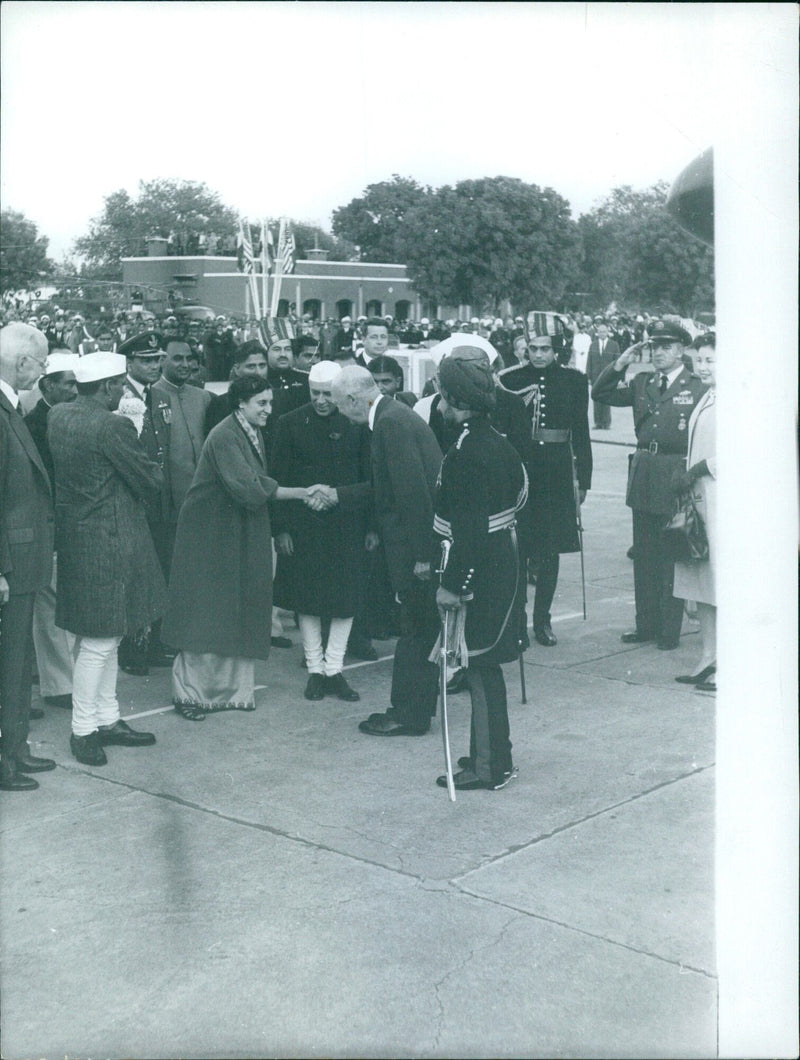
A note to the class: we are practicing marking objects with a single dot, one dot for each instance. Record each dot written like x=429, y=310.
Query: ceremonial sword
x=448, y=763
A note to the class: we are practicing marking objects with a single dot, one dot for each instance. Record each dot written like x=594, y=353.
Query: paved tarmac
x=277, y=884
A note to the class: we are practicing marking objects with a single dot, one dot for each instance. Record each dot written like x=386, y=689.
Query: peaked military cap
x=148, y=344
x=668, y=330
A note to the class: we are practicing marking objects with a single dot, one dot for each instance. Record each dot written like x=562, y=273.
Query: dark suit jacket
x=596, y=362
x=405, y=464
x=26, y=507
x=109, y=578
x=36, y=422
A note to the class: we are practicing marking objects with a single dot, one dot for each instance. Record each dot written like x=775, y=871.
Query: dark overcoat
x=556, y=399
x=661, y=422
x=220, y=588
x=324, y=574
x=405, y=464
x=109, y=578
x=482, y=486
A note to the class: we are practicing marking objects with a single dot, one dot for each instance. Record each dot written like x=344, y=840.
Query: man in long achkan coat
x=482, y=486
x=557, y=400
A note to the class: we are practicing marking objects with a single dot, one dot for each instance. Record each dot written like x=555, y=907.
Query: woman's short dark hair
x=708, y=338
x=247, y=349
x=245, y=387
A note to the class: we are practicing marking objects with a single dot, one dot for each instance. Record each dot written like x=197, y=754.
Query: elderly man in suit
x=53, y=646
x=109, y=579
x=405, y=463
x=26, y=551
x=603, y=351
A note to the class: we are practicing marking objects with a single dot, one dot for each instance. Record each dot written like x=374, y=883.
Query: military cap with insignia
x=667, y=330
x=148, y=344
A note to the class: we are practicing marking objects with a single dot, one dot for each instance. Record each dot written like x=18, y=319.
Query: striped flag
x=267, y=247
x=286, y=248
x=244, y=248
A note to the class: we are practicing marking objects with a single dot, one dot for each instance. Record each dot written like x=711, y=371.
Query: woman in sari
x=220, y=590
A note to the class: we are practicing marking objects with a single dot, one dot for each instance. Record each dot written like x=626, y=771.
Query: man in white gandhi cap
x=320, y=569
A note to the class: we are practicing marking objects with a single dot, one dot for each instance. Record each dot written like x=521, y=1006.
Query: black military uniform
x=661, y=417
x=482, y=487
x=557, y=402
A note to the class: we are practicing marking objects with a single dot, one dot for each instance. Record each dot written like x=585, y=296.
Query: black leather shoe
x=465, y=762
x=136, y=669
x=361, y=649
x=467, y=781
x=35, y=713
x=544, y=636
x=706, y=686
x=459, y=682
x=315, y=688
x=121, y=734
x=696, y=679
x=630, y=553
x=381, y=725
x=65, y=701
x=161, y=657
x=280, y=642
x=29, y=763
x=636, y=637
x=666, y=645
x=337, y=685
x=87, y=749
x=18, y=782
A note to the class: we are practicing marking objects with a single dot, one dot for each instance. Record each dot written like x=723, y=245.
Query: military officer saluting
x=662, y=402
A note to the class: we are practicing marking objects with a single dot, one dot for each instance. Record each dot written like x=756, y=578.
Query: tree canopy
x=162, y=207
x=482, y=241
x=23, y=253
x=374, y=222
x=634, y=253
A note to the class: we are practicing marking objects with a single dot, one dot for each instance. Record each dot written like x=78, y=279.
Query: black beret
x=148, y=344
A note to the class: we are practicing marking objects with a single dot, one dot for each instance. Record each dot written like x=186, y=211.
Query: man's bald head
x=23, y=353
x=354, y=392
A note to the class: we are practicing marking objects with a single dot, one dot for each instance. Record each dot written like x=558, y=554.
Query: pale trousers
x=54, y=647
x=94, y=684
x=331, y=660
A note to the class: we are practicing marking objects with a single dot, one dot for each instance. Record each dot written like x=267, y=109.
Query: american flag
x=286, y=248
x=267, y=247
x=244, y=248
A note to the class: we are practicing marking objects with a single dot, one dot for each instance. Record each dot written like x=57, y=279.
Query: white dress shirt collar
x=372, y=410
x=12, y=395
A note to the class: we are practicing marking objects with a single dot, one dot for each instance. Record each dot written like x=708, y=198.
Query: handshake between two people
x=321, y=498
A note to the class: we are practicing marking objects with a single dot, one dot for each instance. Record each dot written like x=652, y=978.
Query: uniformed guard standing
x=482, y=486
x=662, y=403
x=557, y=401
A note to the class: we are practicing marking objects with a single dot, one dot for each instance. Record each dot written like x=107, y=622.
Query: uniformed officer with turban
x=557, y=401
x=482, y=486
x=662, y=402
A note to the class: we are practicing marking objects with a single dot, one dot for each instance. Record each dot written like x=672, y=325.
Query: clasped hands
x=321, y=498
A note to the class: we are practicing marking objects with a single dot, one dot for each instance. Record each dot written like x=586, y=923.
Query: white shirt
x=671, y=375
x=372, y=410
x=12, y=395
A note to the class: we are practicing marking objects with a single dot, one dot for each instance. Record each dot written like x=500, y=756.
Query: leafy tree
x=483, y=241
x=374, y=221
x=635, y=254
x=23, y=253
x=185, y=207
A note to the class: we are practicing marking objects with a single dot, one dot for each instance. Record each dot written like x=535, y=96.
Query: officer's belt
x=501, y=521
x=545, y=435
x=656, y=449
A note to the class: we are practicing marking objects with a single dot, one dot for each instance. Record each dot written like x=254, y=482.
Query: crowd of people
x=147, y=521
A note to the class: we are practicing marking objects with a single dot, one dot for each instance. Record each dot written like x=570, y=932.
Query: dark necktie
x=662, y=386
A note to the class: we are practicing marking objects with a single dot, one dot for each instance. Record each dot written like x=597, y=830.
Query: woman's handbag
x=685, y=535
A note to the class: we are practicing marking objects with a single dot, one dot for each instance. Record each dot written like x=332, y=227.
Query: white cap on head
x=424, y=321
x=348, y=319
x=93, y=367
x=474, y=320
x=60, y=362
x=324, y=372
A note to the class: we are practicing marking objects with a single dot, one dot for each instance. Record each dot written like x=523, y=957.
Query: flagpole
x=264, y=281
x=276, y=283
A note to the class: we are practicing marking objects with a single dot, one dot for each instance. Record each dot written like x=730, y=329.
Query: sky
x=295, y=108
